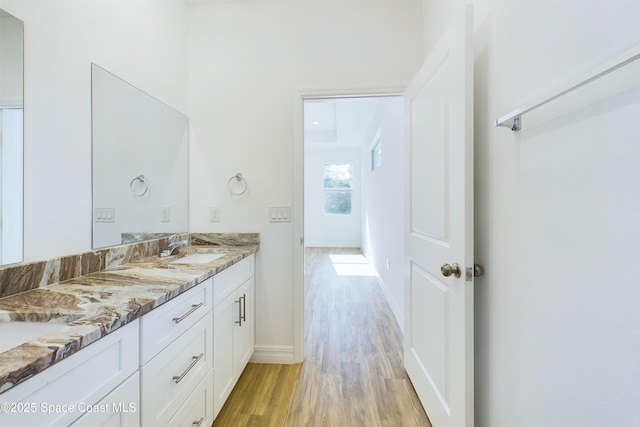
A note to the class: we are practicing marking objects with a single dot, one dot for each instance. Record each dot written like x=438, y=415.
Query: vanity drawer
x=171, y=376
x=229, y=279
x=198, y=409
x=163, y=325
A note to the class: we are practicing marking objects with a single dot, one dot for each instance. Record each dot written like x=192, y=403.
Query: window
x=337, y=183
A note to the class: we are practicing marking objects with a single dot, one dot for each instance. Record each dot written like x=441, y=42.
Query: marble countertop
x=89, y=307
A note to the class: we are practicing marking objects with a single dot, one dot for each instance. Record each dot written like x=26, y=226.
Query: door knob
x=447, y=270
x=477, y=270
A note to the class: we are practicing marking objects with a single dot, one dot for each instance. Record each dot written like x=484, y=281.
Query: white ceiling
x=345, y=122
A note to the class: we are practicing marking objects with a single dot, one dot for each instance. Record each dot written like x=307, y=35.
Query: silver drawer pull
x=194, y=307
x=198, y=423
x=179, y=378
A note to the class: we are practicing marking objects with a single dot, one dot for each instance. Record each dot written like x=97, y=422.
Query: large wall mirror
x=140, y=164
x=11, y=138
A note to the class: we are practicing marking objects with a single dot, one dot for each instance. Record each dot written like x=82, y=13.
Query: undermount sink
x=12, y=334
x=199, y=258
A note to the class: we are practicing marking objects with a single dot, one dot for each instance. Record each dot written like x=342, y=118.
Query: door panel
x=439, y=309
x=429, y=342
x=429, y=183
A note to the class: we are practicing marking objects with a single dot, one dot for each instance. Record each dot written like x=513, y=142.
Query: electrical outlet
x=214, y=214
x=165, y=214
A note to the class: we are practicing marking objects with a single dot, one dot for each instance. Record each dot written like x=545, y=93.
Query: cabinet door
x=223, y=374
x=118, y=409
x=244, y=330
x=60, y=394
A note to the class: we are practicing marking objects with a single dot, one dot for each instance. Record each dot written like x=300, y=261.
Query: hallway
x=352, y=374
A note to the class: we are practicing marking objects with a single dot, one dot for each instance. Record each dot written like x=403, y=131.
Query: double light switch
x=279, y=214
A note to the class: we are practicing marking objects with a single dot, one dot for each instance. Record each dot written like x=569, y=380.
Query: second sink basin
x=12, y=334
x=199, y=258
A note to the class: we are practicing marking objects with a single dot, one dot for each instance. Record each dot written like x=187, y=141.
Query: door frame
x=297, y=214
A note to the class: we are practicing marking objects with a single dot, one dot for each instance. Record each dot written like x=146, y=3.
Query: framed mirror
x=11, y=138
x=140, y=164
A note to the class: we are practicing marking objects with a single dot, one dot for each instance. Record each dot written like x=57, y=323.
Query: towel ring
x=143, y=186
x=240, y=181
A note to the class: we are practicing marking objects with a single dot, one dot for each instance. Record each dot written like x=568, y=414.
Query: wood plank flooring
x=352, y=374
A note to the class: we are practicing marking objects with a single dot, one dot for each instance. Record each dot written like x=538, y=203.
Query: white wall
x=329, y=230
x=557, y=211
x=383, y=203
x=246, y=62
x=141, y=41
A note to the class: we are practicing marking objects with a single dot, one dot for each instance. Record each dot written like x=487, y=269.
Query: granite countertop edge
x=92, y=306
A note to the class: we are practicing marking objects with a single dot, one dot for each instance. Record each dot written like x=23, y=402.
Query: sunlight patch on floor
x=351, y=265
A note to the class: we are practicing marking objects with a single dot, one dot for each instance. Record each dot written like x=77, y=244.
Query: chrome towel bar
x=513, y=120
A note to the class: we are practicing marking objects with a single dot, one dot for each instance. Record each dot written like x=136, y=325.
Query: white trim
x=297, y=217
x=397, y=313
x=274, y=354
x=299, y=96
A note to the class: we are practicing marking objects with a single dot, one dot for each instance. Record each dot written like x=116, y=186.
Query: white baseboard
x=275, y=354
x=397, y=313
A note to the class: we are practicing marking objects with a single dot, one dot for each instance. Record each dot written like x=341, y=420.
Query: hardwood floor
x=352, y=374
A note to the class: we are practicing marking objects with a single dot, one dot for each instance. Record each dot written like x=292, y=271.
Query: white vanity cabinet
x=233, y=327
x=81, y=387
x=176, y=360
x=176, y=365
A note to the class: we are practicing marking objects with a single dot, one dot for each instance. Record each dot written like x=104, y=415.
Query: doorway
x=335, y=132
x=361, y=139
x=353, y=156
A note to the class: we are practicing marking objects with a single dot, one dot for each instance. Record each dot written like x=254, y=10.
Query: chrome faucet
x=173, y=248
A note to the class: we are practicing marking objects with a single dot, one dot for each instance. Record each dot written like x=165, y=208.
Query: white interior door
x=439, y=309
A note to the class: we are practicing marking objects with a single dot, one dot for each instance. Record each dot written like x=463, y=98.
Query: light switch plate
x=105, y=215
x=280, y=214
x=214, y=214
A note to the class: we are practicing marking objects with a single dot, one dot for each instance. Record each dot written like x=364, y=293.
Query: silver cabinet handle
x=179, y=378
x=239, y=321
x=198, y=423
x=194, y=307
x=244, y=307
